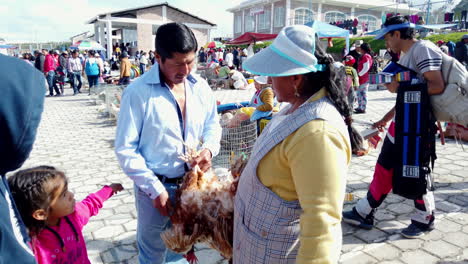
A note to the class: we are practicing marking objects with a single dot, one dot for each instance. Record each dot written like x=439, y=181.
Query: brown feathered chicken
x=204, y=210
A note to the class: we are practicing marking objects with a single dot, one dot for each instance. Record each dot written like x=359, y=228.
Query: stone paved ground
x=77, y=138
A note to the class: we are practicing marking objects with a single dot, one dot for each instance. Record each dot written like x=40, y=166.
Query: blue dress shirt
x=149, y=136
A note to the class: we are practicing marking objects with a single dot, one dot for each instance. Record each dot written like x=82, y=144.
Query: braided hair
x=33, y=189
x=333, y=79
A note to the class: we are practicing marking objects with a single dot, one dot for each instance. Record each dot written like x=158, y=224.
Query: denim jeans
x=142, y=68
x=52, y=83
x=77, y=76
x=93, y=80
x=150, y=225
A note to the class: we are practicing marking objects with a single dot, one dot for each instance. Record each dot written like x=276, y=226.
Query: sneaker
x=415, y=230
x=354, y=218
x=359, y=111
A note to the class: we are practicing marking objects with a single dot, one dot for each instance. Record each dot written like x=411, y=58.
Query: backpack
x=452, y=104
x=92, y=68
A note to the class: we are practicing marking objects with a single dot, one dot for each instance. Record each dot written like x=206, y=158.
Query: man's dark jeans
x=52, y=82
x=77, y=76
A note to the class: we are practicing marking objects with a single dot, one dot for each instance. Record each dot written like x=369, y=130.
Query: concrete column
x=319, y=12
x=243, y=21
x=272, y=16
x=164, y=14
x=352, y=12
x=102, y=35
x=96, y=31
x=109, y=36
x=256, y=23
x=288, y=13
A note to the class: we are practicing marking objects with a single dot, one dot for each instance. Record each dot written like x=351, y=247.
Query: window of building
x=249, y=23
x=238, y=24
x=264, y=20
x=279, y=16
x=334, y=16
x=369, y=21
x=302, y=16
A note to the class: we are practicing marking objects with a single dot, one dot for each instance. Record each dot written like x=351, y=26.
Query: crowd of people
x=71, y=66
x=297, y=168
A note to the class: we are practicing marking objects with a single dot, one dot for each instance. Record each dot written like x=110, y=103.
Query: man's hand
x=380, y=125
x=203, y=160
x=393, y=86
x=163, y=204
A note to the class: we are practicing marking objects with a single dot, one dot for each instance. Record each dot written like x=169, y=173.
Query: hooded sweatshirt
x=21, y=106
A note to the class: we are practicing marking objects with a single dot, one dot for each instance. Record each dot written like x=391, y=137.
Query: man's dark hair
x=405, y=33
x=174, y=37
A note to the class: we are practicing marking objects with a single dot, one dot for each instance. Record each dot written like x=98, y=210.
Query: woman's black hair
x=405, y=33
x=92, y=52
x=366, y=47
x=332, y=78
x=174, y=38
x=33, y=189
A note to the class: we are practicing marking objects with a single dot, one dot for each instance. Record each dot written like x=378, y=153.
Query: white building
x=138, y=26
x=270, y=16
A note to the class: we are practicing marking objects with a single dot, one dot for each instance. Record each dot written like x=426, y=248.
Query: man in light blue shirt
x=163, y=112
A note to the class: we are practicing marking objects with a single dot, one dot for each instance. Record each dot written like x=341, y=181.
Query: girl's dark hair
x=405, y=33
x=332, y=78
x=92, y=52
x=174, y=38
x=33, y=189
x=366, y=47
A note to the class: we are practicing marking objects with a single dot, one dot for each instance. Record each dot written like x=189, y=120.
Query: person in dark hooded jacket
x=21, y=106
x=461, y=51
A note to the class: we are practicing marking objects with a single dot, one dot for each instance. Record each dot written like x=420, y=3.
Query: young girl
x=54, y=220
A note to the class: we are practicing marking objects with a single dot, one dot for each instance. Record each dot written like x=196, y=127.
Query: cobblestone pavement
x=77, y=138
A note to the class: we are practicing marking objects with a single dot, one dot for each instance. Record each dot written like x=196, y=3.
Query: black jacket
x=461, y=52
x=39, y=62
x=21, y=106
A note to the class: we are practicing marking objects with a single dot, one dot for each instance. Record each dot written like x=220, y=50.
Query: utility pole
x=428, y=11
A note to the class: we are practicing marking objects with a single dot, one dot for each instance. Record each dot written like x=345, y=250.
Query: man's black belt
x=165, y=179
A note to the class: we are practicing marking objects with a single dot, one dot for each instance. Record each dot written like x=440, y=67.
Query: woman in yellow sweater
x=290, y=195
x=125, y=68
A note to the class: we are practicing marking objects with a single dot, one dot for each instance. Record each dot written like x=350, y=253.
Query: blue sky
x=58, y=20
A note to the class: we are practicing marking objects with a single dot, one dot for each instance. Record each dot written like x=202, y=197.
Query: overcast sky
x=58, y=20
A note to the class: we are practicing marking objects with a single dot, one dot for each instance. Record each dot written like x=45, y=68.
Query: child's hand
x=116, y=187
